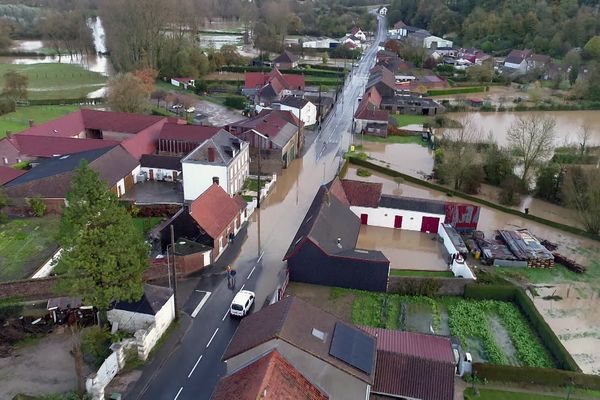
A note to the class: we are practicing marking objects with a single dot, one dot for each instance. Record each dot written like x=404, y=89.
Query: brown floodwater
x=404, y=249
x=409, y=158
x=568, y=124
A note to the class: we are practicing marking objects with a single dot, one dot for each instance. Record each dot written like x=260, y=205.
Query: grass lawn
x=558, y=274
x=25, y=244
x=395, y=139
x=252, y=184
x=494, y=394
x=403, y=119
x=145, y=224
x=19, y=120
x=56, y=81
x=402, y=272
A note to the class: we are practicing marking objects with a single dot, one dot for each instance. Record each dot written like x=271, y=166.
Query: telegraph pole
x=174, y=270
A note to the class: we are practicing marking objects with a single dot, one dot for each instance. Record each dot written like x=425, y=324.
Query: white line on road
x=262, y=253
x=250, y=274
x=200, y=305
x=225, y=316
x=195, y=365
x=242, y=288
x=213, y=336
x=178, y=393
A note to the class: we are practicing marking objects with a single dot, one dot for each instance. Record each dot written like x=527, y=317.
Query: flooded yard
x=405, y=249
x=409, y=158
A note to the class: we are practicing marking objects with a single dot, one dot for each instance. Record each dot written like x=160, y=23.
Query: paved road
x=195, y=366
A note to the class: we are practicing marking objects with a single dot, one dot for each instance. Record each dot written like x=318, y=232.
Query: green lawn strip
x=252, y=184
x=53, y=80
x=143, y=225
x=395, y=139
x=495, y=394
x=558, y=274
x=403, y=272
x=19, y=120
x=25, y=244
x=405, y=119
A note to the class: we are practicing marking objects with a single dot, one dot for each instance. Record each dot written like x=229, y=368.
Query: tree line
x=552, y=27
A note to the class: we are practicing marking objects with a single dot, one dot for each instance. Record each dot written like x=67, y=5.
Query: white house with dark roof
x=222, y=159
x=303, y=109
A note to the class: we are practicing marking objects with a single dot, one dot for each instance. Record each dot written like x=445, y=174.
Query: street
x=194, y=367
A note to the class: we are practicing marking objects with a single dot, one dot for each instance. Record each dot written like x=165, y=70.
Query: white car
x=190, y=110
x=241, y=303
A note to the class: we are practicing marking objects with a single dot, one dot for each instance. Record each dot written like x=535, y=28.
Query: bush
x=510, y=195
x=22, y=165
x=237, y=102
x=10, y=308
x=490, y=292
x=363, y=172
x=37, y=205
x=6, y=105
x=95, y=344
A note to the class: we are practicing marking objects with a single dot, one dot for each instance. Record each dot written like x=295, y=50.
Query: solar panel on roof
x=353, y=346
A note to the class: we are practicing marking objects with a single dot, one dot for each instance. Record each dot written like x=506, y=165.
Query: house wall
x=384, y=217
x=458, y=268
x=311, y=265
x=9, y=155
x=199, y=177
x=192, y=262
x=221, y=242
x=308, y=114
x=522, y=68
x=164, y=174
x=338, y=385
x=428, y=42
x=121, y=185
x=129, y=321
x=239, y=169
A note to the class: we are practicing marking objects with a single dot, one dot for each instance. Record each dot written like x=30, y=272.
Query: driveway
x=154, y=192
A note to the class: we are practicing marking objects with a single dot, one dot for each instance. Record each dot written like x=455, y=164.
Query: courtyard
x=155, y=192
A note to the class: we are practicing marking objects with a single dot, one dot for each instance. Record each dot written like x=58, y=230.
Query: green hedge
x=539, y=325
x=536, y=376
x=325, y=73
x=487, y=203
x=237, y=102
x=50, y=102
x=442, y=92
x=10, y=307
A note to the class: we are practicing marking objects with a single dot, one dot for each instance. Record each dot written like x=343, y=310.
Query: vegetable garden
x=493, y=331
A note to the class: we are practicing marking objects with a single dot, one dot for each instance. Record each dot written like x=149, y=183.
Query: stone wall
x=29, y=289
x=421, y=285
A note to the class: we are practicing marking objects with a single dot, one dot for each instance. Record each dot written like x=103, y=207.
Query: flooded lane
x=568, y=124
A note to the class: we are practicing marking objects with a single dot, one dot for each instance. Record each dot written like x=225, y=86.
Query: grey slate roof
x=286, y=133
x=413, y=204
x=293, y=101
x=163, y=162
x=225, y=145
x=152, y=301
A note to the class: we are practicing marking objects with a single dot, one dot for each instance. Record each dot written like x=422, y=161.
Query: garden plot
x=492, y=331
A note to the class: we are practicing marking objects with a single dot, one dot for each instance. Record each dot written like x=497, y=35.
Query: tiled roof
x=256, y=80
x=283, y=114
x=413, y=365
x=269, y=377
x=517, y=56
x=48, y=146
x=292, y=320
x=183, y=80
x=192, y=133
x=271, y=124
x=363, y=194
x=67, y=126
x=154, y=298
x=214, y=210
x=293, y=101
x=286, y=57
x=373, y=115
x=7, y=174
x=118, y=121
x=163, y=162
x=224, y=146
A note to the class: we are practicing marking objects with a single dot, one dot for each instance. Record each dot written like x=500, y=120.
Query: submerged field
x=491, y=330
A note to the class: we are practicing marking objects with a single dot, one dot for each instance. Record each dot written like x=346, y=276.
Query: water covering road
x=195, y=366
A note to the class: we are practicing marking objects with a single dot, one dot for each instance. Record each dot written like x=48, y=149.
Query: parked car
x=191, y=110
x=241, y=303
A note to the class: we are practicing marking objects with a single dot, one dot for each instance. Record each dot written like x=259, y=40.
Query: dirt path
x=43, y=368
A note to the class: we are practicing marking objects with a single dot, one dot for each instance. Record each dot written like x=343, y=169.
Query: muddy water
x=568, y=123
x=418, y=317
x=503, y=340
x=409, y=158
x=217, y=41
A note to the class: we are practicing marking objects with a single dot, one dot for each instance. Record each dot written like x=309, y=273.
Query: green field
x=56, y=81
x=25, y=244
x=19, y=120
x=404, y=119
x=494, y=394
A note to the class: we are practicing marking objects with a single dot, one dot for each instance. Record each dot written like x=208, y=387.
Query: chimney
x=211, y=154
x=30, y=123
x=339, y=242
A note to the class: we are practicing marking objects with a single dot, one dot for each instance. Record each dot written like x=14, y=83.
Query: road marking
x=225, y=316
x=213, y=336
x=201, y=304
x=195, y=365
x=262, y=253
x=250, y=274
x=178, y=393
x=242, y=288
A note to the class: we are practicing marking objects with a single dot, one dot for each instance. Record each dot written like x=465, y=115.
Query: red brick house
x=268, y=87
x=286, y=60
x=219, y=215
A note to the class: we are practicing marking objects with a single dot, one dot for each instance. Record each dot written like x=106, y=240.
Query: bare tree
x=532, y=139
x=581, y=191
x=15, y=85
x=584, y=138
x=127, y=93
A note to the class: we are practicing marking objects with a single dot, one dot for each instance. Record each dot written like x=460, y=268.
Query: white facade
x=386, y=217
x=383, y=11
x=121, y=184
x=522, y=68
x=197, y=177
x=459, y=266
x=321, y=43
x=159, y=174
x=184, y=85
x=308, y=113
x=360, y=35
x=429, y=40
x=130, y=321
x=400, y=32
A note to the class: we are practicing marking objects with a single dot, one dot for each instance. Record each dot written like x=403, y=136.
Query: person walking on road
x=231, y=277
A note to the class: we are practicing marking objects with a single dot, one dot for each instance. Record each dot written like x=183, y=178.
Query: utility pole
x=258, y=180
x=174, y=271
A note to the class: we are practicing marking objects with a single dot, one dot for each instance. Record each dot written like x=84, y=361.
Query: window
x=215, y=179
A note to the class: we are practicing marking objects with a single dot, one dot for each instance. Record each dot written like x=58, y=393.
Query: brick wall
x=30, y=289
x=408, y=284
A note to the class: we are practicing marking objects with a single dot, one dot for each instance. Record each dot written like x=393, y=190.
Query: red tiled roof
x=373, y=115
x=187, y=132
x=363, y=194
x=283, y=114
x=270, y=377
x=7, y=174
x=355, y=30
x=214, y=210
x=118, y=121
x=48, y=146
x=413, y=365
x=337, y=190
x=67, y=126
x=279, y=81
